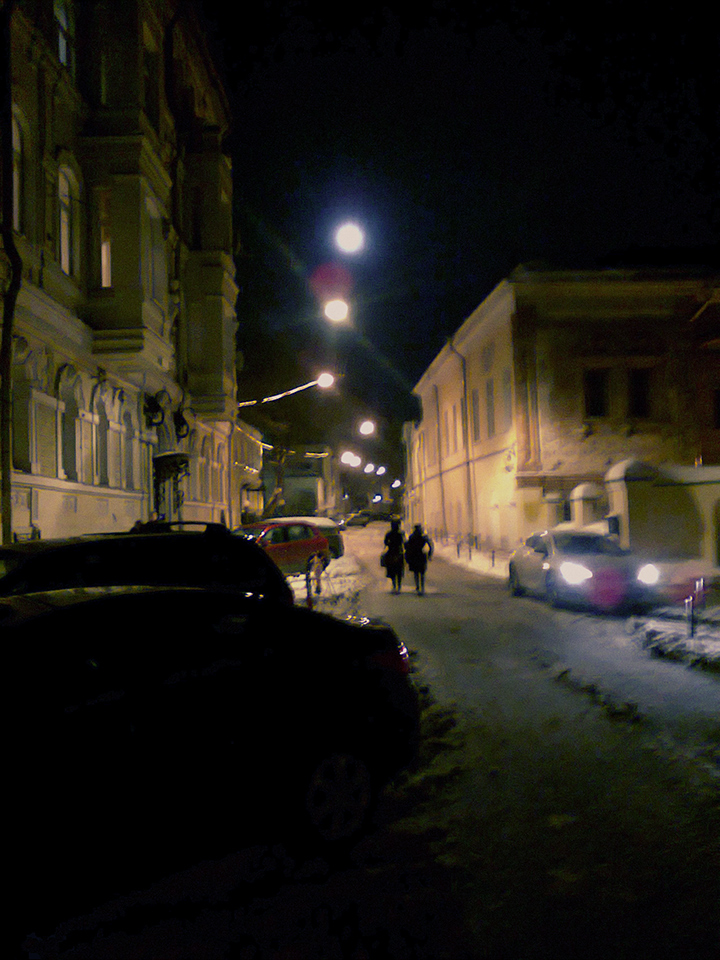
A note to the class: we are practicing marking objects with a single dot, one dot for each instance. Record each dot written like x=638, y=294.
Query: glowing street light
x=337, y=310
x=380, y=471
x=369, y=468
x=367, y=428
x=349, y=238
x=350, y=459
x=324, y=381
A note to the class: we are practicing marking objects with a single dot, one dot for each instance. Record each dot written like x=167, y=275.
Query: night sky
x=465, y=139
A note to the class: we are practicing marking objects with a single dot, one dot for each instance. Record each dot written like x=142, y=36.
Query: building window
x=151, y=81
x=67, y=228
x=65, y=26
x=129, y=451
x=455, y=428
x=475, y=399
x=639, y=392
x=595, y=389
x=101, y=444
x=490, y=406
x=17, y=175
x=156, y=265
x=507, y=399
x=69, y=423
x=105, y=238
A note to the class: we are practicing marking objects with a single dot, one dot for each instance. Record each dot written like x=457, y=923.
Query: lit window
x=105, y=238
x=65, y=32
x=66, y=224
x=17, y=175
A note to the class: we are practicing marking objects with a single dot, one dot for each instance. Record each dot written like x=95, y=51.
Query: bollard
x=690, y=614
x=699, y=593
x=492, y=558
x=308, y=588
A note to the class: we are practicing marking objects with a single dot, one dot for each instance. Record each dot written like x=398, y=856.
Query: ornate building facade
x=124, y=384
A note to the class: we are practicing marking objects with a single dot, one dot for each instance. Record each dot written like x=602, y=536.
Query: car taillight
x=396, y=659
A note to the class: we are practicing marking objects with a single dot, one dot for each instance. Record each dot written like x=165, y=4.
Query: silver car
x=581, y=567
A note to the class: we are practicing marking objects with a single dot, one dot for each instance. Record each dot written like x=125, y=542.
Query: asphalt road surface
x=549, y=815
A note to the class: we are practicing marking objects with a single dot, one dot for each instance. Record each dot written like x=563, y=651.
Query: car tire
x=515, y=589
x=339, y=796
x=551, y=591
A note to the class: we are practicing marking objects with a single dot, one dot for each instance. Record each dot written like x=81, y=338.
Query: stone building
x=555, y=378
x=124, y=393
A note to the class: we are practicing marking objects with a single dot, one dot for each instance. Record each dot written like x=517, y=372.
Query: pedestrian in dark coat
x=393, y=558
x=418, y=550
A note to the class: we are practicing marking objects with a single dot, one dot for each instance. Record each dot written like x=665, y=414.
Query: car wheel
x=515, y=589
x=339, y=797
x=551, y=591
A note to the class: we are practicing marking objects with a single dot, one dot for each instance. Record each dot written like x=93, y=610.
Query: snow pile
x=673, y=638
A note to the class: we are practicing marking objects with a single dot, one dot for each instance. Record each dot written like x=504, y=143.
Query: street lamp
x=324, y=381
x=367, y=428
x=349, y=238
x=337, y=310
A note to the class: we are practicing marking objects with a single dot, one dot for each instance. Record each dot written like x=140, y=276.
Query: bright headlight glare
x=649, y=574
x=574, y=573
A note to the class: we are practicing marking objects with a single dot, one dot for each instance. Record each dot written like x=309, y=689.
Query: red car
x=292, y=544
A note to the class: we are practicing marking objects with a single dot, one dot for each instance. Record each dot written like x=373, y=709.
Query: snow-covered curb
x=673, y=639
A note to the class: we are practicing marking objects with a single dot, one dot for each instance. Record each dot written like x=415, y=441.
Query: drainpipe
x=466, y=431
x=440, y=464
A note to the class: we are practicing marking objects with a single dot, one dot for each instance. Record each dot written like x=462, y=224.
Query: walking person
x=418, y=550
x=393, y=558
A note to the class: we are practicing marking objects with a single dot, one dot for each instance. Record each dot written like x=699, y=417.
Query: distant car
x=199, y=555
x=152, y=727
x=292, y=544
x=581, y=567
x=360, y=519
x=329, y=528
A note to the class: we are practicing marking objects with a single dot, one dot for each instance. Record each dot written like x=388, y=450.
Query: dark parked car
x=360, y=519
x=292, y=544
x=202, y=555
x=152, y=727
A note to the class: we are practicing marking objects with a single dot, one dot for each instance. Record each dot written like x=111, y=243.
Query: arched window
x=68, y=231
x=204, y=470
x=65, y=26
x=101, y=444
x=219, y=495
x=69, y=394
x=129, y=452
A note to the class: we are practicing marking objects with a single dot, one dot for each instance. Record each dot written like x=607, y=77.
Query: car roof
x=156, y=531
x=316, y=521
x=276, y=521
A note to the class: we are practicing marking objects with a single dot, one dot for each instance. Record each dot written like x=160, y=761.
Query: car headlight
x=648, y=574
x=574, y=573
